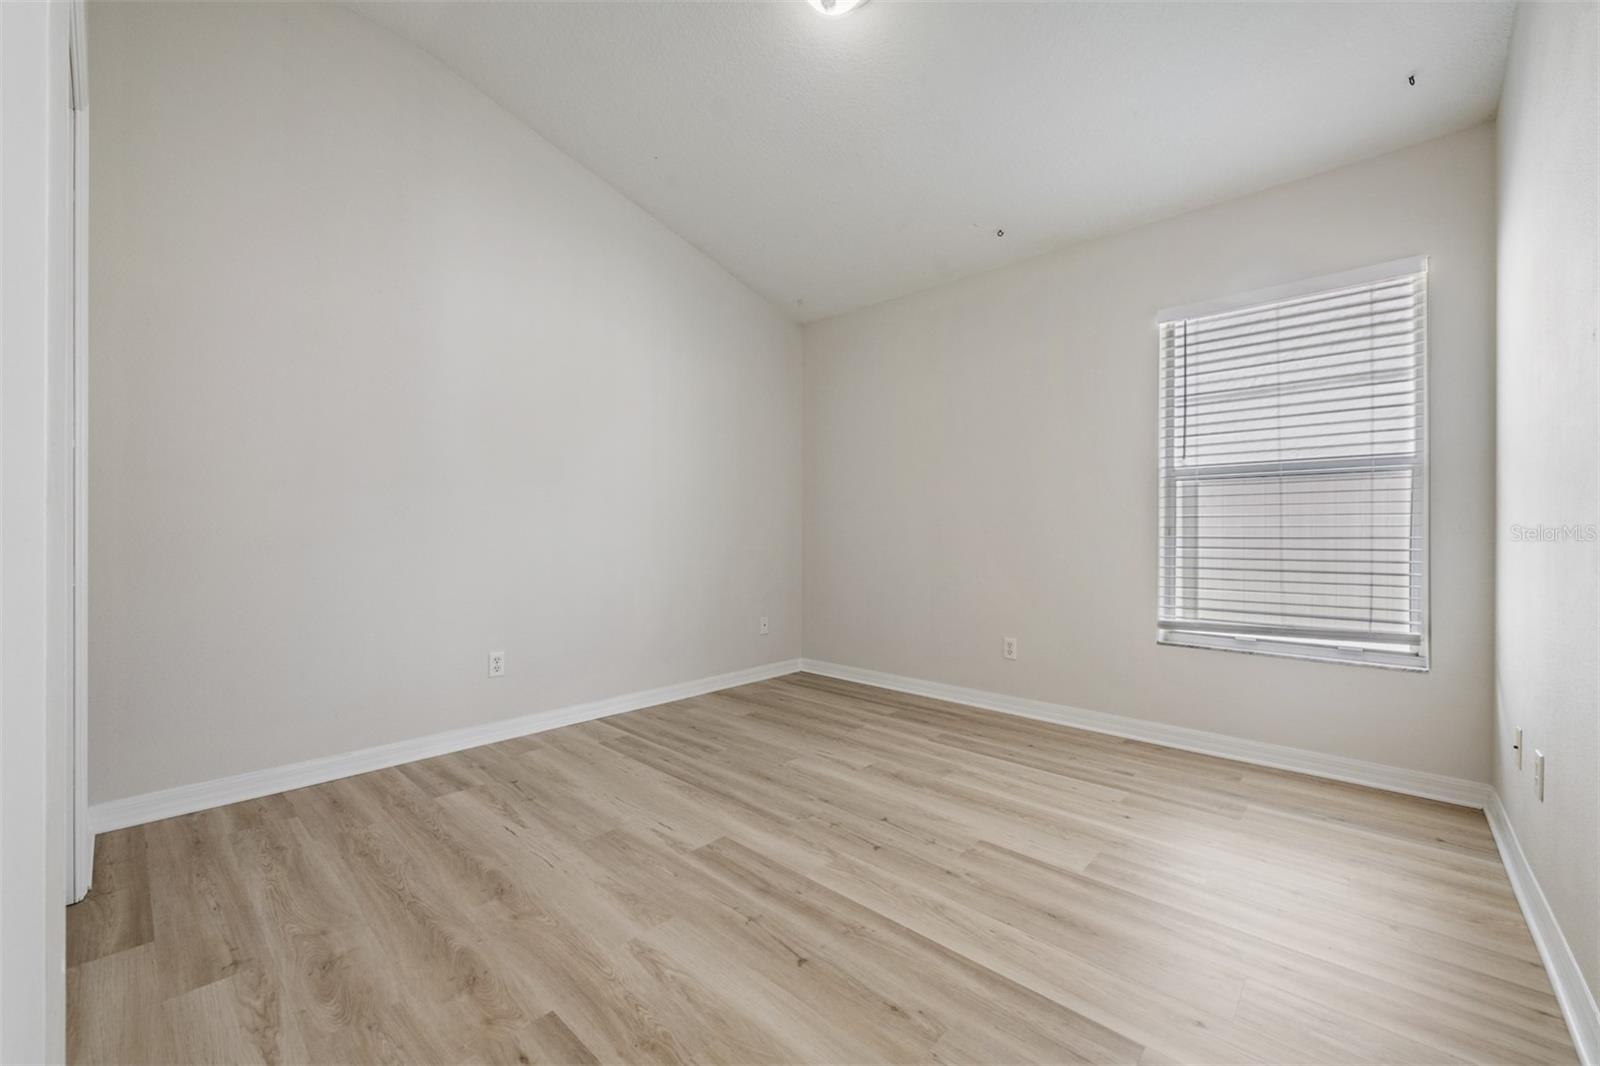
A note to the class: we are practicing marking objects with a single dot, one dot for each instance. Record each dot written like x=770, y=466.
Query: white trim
x=1572, y=991
x=1415, y=264
x=80, y=850
x=186, y=799
x=78, y=52
x=34, y=712
x=1298, y=760
x=1309, y=651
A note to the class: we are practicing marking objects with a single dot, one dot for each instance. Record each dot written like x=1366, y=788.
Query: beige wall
x=381, y=381
x=981, y=462
x=1547, y=644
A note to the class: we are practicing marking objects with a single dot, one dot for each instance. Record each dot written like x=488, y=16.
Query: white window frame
x=1329, y=650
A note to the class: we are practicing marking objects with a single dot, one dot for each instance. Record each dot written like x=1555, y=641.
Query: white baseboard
x=186, y=799
x=1337, y=767
x=1572, y=991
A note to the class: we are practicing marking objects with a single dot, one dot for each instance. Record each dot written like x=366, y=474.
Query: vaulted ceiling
x=836, y=163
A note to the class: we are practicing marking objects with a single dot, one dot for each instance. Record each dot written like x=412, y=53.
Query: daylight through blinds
x=1292, y=482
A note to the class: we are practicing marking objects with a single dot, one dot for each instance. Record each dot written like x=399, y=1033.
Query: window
x=1293, y=474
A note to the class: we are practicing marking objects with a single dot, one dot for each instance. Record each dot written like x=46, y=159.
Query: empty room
x=799, y=531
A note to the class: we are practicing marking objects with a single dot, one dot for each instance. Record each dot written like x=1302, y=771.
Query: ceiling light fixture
x=835, y=8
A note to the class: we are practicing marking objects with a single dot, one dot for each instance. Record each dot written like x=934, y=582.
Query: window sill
x=1283, y=649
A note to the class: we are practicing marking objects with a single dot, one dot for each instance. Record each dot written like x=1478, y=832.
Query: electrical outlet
x=764, y=627
x=1516, y=745
x=1538, y=774
x=1011, y=647
x=497, y=664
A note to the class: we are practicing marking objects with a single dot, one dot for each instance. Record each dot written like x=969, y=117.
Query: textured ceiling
x=836, y=163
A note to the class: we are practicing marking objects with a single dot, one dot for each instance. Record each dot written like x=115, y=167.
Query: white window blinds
x=1293, y=471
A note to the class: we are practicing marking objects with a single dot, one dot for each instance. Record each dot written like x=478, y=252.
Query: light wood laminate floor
x=810, y=870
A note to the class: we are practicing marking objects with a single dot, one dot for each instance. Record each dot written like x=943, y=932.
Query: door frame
x=80, y=849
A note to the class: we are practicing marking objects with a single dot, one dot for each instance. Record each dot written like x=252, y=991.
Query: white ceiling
x=832, y=164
